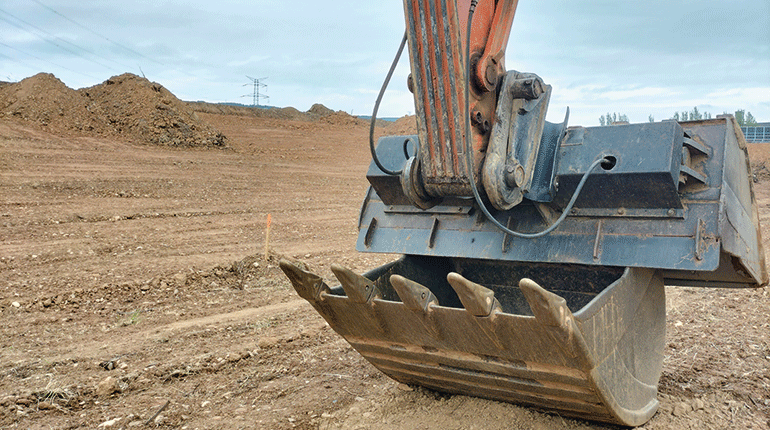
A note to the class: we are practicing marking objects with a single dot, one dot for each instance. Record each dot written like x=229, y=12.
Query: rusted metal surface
x=436, y=35
x=503, y=336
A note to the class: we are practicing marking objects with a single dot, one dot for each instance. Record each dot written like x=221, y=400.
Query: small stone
x=24, y=401
x=180, y=279
x=267, y=342
x=16, y=304
x=44, y=406
x=107, y=387
x=681, y=409
x=159, y=420
x=404, y=387
x=698, y=404
x=109, y=423
x=326, y=415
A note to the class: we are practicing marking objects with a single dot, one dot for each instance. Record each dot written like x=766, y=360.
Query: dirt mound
x=124, y=106
x=343, y=119
x=45, y=100
x=319, y=109
x=404, y=125
x=339, y=118
x=146, y=111
x=287, y=113
x=316, y=113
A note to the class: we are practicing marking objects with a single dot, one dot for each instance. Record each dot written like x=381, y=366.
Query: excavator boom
x=534, y=254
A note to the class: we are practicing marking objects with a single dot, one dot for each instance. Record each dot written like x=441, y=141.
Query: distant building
x=759, y=133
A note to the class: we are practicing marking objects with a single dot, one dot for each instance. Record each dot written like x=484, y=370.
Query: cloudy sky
x=640, y=58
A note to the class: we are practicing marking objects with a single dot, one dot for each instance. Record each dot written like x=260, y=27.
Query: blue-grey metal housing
x=676, y=197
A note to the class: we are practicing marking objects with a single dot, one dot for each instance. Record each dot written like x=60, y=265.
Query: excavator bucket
x=421, y=321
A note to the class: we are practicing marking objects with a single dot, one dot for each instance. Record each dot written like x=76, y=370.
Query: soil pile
x=317, y=113
x=319, y=109
x=124, y=106
x=287, y=113
x=45, y=100
x=149, y=112
x=405, y=125
x=341, y=118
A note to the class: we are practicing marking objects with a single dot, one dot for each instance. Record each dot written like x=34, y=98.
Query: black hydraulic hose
x=469, y=154
x=377, y=107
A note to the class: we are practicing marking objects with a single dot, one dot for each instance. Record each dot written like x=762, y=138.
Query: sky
x=638, y=58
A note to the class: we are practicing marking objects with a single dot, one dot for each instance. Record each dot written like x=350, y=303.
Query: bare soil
x=134, y=293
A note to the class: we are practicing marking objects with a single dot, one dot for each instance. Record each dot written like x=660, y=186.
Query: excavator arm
x=438, y=42
x=534, y=255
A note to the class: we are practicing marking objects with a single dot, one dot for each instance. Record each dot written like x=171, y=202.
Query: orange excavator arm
x=437, y=34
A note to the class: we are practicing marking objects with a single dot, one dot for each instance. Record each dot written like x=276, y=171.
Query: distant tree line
x=741, y=116
x=612, y=118
x=745, y=119
x=693, y=115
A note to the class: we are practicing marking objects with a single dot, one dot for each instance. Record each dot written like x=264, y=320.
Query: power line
x=98, y=34
x=55, y=37
x=256, y=96
x=41, y=59
x=51, y=36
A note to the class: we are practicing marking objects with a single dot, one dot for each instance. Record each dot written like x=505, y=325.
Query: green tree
x=612, y=118
x=750, y=120
x=693, y=115
x=744, y=118
x=651, y=118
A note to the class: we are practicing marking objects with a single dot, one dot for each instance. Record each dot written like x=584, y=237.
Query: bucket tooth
x=357, y=288
x=415, y=296
x=548, y=308
x=309, y=286
x=476, y=299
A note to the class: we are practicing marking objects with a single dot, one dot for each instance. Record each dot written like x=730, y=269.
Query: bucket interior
x=578, y=284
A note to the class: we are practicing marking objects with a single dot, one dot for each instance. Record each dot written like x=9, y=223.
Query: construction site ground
x=134, y=293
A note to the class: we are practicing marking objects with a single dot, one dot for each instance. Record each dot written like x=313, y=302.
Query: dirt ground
x=134, y=293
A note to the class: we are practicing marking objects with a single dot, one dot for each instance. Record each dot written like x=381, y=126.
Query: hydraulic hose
x=377, y=107
x=469, y=154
